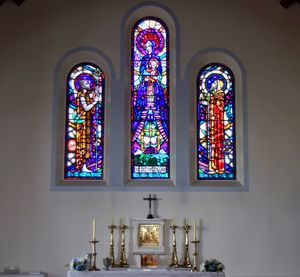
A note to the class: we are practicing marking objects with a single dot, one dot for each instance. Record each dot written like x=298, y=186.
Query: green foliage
x=151, y=159
x=212, y=265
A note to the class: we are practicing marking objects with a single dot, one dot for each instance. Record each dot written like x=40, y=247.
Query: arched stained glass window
x=216, y=151
x=84, y=123
x=150, y=122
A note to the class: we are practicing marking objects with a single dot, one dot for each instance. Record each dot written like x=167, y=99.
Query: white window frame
x=61, y=73
x=139, y=13
x=228, y=59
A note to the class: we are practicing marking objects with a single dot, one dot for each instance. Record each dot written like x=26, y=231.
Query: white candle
x=194, y=229
x=94, y=228
x=200, y=226
x=112, y=221
x=174, y=221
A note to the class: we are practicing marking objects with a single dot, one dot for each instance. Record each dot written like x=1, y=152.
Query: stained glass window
x=150, y=124
x=216, y=150
x=84, y=123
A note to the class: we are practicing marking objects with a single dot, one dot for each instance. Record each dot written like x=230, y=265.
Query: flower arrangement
x=80, y=263
x=212, y=265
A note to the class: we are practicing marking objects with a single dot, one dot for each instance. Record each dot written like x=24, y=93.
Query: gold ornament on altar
x=93, y=242
x=174, y=258
x=123, y=261
x=112, y=243
x=186, y=256
x=196, y=253
x=149, y=235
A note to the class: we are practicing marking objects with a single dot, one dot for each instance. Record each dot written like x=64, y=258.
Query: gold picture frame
x=148, y=236
x=149, y=261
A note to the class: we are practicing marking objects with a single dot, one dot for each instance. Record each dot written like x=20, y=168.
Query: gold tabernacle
x=149, y=235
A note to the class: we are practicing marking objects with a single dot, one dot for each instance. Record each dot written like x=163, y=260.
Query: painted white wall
x=253, y=233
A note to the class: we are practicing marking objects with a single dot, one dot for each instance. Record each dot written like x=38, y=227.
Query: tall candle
x=174, y=221
x=112, y=221
x=194, y=229
x=94, y=228
x=200, y=226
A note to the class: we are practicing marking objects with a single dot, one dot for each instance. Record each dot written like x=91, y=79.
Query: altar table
x=24, y=274
x=146, y=273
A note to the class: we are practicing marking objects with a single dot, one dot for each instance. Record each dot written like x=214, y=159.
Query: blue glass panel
x=216, y=151
x=84, y=123
x=150, y=141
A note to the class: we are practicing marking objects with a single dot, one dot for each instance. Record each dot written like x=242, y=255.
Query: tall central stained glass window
x=150, y=120
x=216, y=151
x=84, y=137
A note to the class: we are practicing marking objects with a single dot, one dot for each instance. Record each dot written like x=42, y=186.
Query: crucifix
x=150, y=199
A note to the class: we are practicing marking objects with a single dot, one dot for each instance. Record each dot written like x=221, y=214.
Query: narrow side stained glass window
x=150, y=120
x=84, y=131
x=216, y=142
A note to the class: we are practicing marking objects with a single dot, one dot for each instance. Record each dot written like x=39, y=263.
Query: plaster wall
x=254, y=233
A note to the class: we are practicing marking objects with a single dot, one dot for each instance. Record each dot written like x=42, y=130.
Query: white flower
x=79, y=263
x=202, y=267
x=212, y=265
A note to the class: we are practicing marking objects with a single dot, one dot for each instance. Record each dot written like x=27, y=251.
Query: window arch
x=150, y=120
x=216, y=142
x=84, y=123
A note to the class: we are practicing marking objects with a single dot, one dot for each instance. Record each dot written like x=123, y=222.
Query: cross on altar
x=150, y=199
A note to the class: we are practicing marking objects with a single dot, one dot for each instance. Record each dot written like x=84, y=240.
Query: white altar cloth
x=144, y=272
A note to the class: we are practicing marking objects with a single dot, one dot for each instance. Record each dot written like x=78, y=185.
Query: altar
x=149, y=242
x=144, y=272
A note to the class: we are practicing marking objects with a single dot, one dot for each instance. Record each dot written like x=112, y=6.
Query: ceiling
x=287, y=3
x=17, y=2
x=284, y=3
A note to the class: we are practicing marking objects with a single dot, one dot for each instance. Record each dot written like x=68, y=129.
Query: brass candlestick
x=123, y=260
x=186, y=259
x=195, y=254
x=111, y=246
x=174, y=258
x=93, y=266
